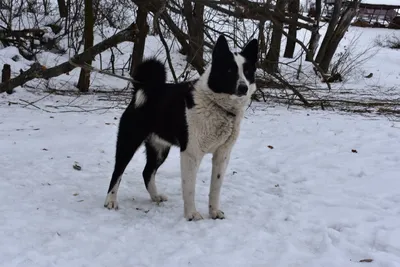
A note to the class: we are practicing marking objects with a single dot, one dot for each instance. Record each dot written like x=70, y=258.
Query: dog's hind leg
x=131, y=135
x=156, y=154
x=219, y=164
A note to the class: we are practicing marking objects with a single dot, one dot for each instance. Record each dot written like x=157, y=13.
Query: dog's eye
x=229, y=70
x=246, y=72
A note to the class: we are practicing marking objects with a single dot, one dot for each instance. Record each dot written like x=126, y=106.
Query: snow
x=309, y=201
x=366, y=56
x=10, y=55
x=303, y=188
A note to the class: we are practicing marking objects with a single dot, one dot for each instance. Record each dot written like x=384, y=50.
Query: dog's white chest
x=212, y=127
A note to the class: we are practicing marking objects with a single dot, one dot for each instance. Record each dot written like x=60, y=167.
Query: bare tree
x=84, y=77
x=337, y=35
x=330, y=30
x=272, y=59
x=62, y=8
x=293, y=8
x=195, y=23
x=139, y=44
x=315, y=36
x=262, y=41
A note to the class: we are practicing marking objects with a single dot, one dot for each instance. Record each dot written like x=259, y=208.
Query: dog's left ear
x=250, y=52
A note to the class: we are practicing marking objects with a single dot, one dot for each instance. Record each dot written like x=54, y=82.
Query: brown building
x=379, y=12
x=371, y=13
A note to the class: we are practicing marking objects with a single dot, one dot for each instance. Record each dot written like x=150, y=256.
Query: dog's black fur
x=163, y=114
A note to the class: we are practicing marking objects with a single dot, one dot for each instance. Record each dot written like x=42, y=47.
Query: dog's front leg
x=219, y=164
x=189, y=166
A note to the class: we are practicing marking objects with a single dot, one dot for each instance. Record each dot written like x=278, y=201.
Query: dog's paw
x=111, y=205
x=111, y=202
x=159, y=198
x=217, y=214
x=194, y=216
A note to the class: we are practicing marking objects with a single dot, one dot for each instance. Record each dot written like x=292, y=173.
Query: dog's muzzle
x=242, y=89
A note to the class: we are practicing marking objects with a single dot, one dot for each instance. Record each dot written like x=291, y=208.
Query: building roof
x=372, y=4
x=382, y=2
x=388, y=4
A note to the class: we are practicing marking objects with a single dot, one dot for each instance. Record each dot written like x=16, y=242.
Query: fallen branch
x=355, y=103
x=39, y=71
x=91, y=68
x=294, y=90
x=27, y=104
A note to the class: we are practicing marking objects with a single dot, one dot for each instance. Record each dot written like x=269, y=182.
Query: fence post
x=6, y=76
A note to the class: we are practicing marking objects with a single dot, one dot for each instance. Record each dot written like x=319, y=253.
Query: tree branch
x=39, y=71
x=254, y=11
x=157, y=20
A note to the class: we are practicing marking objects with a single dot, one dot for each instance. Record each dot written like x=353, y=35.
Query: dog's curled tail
x=150, y=74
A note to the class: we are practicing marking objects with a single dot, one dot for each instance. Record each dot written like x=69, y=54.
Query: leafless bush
x=74, y=25
x=389, y=41
x=350, y=60
x=17, y=14
x=107, y=14
x=24, y=24
x=115, y=14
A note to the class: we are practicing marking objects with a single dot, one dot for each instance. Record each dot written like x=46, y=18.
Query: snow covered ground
x=304, y=188
x=306, y=201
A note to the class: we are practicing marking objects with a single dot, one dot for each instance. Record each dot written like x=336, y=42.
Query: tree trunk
x=337, y=36
x=140, y=41
x=315, y=36
x=294, y=6
x=6, y=76
x=62, y=8
x=329, y=32
x=84, y=77
x=262, y=41
x=272, y=59
x=10, y=16
x=194, y=18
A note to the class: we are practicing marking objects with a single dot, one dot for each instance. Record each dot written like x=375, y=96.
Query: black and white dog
x=201, y=116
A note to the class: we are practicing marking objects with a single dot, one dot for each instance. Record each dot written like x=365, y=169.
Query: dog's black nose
x=242, y=89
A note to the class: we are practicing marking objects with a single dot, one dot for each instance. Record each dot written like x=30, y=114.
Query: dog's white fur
x=213, y=125
x=160, y=145
x=111, y=199
x=140, y=98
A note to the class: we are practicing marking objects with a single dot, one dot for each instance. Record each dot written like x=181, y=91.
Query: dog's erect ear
x=250, y=52
x=221, y=47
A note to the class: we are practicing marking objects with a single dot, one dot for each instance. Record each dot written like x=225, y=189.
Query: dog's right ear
x=250, y=52
x=221, y=48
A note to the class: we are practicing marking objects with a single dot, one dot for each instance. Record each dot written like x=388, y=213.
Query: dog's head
x=233, y=73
